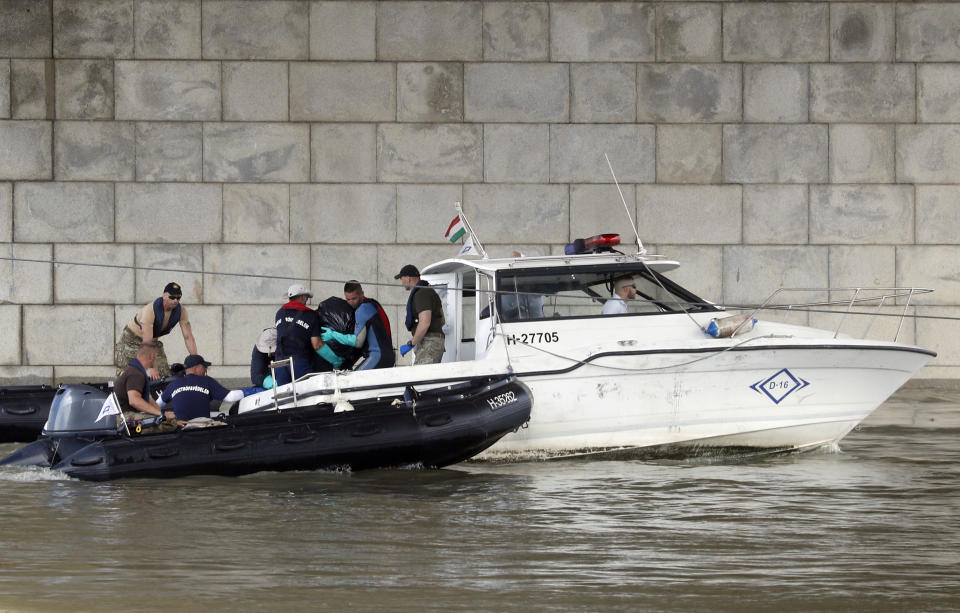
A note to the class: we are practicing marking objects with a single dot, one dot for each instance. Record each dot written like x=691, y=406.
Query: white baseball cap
x=298, y=290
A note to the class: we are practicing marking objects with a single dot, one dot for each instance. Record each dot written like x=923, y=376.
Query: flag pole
x=473, y=234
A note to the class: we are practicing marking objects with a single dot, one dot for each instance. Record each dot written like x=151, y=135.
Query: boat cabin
x=479, y=295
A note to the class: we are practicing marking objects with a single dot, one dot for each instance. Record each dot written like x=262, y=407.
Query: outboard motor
x=75, y=421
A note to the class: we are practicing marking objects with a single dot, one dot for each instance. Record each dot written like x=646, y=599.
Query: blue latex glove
x=328, y=335
x=406, y=348
x=327, y=354
x=268, y=382
x=249, y=391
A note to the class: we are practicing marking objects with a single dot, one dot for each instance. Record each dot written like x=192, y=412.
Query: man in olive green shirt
x=424, y=318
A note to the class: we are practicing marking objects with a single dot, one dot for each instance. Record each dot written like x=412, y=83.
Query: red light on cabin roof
x=601, y=240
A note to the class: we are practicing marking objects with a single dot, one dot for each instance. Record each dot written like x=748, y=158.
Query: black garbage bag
x=337, y=314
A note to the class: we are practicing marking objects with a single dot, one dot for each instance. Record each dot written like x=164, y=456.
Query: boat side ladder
x=278, y=396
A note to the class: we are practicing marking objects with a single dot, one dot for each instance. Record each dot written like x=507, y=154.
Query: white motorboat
x=651, y=379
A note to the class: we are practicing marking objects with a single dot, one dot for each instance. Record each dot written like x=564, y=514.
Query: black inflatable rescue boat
x=431, y=428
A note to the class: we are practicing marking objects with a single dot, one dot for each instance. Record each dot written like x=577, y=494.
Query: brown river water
x=871, y=526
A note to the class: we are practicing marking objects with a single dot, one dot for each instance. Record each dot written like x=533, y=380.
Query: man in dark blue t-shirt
x=298, y=336
x=191, y=394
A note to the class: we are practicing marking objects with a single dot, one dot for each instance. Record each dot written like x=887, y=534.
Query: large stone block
x=167, y=29
x=768, y=153
x=430, y=91
x=158, y=265
x=256, y=152
x=206, y=324
x=25, y=29
x=94, y=151
x=169, y=213
x=577, y=153
x=862, y=92
x=83, y=374
x=424, y=153
x=6, y=212
x=25, y=153
x=701, y=268
x=26, y=277
x=152, y=90
x=603, y=93
x=256, y=29
x=29, y=87
x=775, y=32
x=516, y=214
x=602, y=32
x=343, y=30
x=927, y=32
x=937, y=330
x=938, y=216
x=516, y=31
x=751, y=274
x=421, y=210
x=10, y=339
x=928, y=153
x=429, y=31
x=70, y=335
x=924, y=266
x=242, y=325
x=343, y=213
x=689, y=153
x=95, y=28
x=253, y=274
x=861, y=153
x=93, y=274
x=688, y=214
x=689, y=32
x=168, y=151
x=776, y=93
x=866, y=214
x=862, y=266
x=938, y=93
x=84, y=89
x=26, y=375
x=866, y=321
x=255, y=91
x=597, y=209
x=4, y=89
x=517, y=92
x=343, y=152
x=861, y=32
x=683, y=93
x=333, y=265
x=256, y=213
x=775, y=214
x=63, y=212
x=516, y=153
x=349, y=91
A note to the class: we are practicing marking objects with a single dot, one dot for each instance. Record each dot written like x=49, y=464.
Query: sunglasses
x=175, y=297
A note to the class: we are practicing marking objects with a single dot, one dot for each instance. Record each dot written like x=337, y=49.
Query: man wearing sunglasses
x=151, y=322
x=624, y=289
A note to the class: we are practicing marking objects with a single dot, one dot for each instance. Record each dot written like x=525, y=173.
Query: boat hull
x=23, y=411
x=432, y=429
x=758, y=398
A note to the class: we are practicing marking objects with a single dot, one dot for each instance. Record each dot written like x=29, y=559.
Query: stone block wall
x=237, y=146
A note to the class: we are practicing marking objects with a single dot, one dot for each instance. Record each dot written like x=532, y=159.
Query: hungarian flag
x=456, y=230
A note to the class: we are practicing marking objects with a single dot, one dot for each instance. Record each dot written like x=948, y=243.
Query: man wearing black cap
x=424, y=318
x=151, y=322
x=190, y=395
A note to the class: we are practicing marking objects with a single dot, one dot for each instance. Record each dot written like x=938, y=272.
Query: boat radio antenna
x=636, y=232
x=473, y=235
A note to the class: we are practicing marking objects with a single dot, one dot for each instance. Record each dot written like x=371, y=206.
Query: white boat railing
x=856, y=296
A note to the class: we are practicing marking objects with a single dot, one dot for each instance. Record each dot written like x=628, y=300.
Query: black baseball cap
x=408, y=270
x=173, y=289
x=195, y=360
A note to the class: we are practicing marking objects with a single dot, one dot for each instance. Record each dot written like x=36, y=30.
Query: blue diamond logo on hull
x=779, y=385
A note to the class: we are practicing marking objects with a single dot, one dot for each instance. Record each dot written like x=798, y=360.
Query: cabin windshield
x=562, y=292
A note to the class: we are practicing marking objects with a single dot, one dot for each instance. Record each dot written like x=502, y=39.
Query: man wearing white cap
x=624, y=289
x=298, y=336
